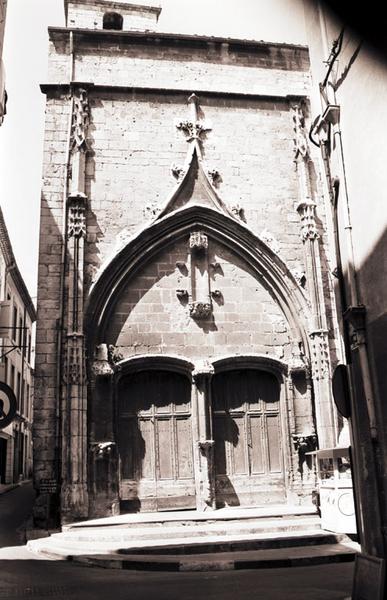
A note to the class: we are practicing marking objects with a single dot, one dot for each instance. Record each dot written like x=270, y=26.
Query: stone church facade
x=185, y=336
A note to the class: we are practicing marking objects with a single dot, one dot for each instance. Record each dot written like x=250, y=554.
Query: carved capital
x=80, y=120
x=101, y=366
x=306, y=210
x=206, y=446
x=198, y=241
x=76, y=217
x=203, y=369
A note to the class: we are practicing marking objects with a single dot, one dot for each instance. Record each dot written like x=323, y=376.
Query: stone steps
x=193, y=517
x=165, y=531
x=196, y=541
x=277, y=551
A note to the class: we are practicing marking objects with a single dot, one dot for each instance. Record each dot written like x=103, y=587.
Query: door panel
x=155, y=441
x=247, y=434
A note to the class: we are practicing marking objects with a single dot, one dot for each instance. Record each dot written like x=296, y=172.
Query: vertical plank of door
x=274, y=443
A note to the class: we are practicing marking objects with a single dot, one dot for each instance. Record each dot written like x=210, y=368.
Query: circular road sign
x=8, y=405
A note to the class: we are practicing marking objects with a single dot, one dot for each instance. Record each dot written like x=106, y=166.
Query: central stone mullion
x=200, y=301
x=205, y=472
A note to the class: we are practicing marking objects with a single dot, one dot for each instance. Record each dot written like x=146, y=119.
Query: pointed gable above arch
x=194, y=185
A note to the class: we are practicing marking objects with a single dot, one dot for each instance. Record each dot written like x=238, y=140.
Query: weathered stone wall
x=148, y=60
x=46, y=401
x=150, y=318
x=135, y=142
x=132, y=143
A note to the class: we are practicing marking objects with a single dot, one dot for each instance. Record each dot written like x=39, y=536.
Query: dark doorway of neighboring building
x=155, y=442
x=247, y=428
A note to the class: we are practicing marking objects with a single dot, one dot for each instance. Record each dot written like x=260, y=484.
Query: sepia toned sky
x=25, y=57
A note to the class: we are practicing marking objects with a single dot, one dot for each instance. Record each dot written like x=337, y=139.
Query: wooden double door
x=157, y=441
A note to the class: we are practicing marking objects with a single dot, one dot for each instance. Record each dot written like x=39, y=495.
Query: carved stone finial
x=80, y=120
x=76, y=223
x=193, y=98
x=300, y=140
x=193, y=129
x=306, y=210
x=319, y=353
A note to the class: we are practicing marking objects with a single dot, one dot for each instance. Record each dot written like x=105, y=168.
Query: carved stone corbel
x=102, y=449
x=198, y=241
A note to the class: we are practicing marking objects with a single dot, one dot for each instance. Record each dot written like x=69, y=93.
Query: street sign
x=8, y=405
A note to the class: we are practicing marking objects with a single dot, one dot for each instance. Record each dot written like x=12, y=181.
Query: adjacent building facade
x=349, y=74
x=186, y=328
x=17, y=314
x=3, y=95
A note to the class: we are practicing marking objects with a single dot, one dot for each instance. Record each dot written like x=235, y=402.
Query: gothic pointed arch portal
x=194, y=286
x=191, y=287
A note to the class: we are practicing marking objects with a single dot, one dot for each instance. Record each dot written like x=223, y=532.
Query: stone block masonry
x=121, y=135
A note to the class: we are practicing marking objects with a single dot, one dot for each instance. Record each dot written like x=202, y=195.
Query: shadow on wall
x=372, y=277
x=369, y=23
